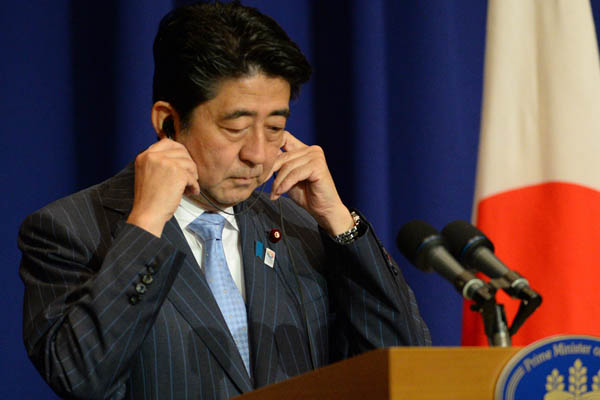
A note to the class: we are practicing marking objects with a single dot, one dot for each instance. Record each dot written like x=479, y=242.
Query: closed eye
x=235, y=131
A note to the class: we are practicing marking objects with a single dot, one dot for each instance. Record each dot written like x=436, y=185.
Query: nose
x=253, y=149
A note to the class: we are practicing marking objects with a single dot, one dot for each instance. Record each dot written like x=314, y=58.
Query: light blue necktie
x=209, y=226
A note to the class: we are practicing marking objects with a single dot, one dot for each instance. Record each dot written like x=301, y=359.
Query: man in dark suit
x=118, y=300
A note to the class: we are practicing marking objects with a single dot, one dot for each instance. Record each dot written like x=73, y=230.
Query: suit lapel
x=261, y=299
x=193, y=298
x=190, y=294
x=268, y=294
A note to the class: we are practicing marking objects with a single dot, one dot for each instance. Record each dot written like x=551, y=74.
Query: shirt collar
x=188, y=210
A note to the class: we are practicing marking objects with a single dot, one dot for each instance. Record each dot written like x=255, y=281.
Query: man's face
x=235, y=137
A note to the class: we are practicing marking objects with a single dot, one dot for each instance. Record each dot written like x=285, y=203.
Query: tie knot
x=208, y=226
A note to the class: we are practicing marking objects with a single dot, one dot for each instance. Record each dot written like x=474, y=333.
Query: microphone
x=423, y=246
x=472, y=248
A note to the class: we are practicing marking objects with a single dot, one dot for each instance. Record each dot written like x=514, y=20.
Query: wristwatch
x=351, y=234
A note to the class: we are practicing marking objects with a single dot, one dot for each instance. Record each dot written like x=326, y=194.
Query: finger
x=293, y=172
x=298, y=176
x=291, y=143
x=275, y=167
x=188, y=165
x=192, y=187
x=167, y=145
x=176, y=153
x=171, y=150
x=291, y=159
x=164, y=159
x=288, y=166
x=163, y=144
x=286, y=157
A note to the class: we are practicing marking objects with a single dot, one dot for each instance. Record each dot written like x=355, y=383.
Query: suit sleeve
x=373, y=305
x=85, y=315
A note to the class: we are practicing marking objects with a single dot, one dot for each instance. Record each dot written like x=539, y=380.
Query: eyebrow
x=283, y=112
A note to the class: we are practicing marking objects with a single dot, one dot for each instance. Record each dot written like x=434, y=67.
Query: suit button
x=394, y=271
x=147, y=279
x=134, y=300
x=140, y=288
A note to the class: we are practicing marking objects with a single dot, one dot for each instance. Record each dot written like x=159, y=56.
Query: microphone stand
x=494, y=322
x=494, y=316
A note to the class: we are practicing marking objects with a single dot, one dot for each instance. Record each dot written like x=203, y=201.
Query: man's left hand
x=302, y=172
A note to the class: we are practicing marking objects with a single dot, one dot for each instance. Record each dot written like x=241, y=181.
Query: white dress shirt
x=187, y=211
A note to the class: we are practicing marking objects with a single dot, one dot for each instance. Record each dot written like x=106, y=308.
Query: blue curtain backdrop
x=394, y=101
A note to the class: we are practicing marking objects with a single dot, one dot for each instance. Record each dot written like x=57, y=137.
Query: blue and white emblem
x=557, y=368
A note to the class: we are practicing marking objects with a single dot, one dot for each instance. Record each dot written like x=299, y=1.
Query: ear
x=162, y=110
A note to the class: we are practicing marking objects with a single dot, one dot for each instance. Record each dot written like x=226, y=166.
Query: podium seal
x=556, y=368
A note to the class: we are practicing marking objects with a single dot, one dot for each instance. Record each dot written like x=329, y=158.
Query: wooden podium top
x=400, y=373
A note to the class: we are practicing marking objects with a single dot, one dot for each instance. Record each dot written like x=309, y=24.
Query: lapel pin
x=275, y=235
x=269, y=257
x=258, y=249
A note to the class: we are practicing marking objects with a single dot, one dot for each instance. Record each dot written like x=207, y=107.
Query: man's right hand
x=163, y=172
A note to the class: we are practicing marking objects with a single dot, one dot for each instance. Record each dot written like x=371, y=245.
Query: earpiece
x=168, y=127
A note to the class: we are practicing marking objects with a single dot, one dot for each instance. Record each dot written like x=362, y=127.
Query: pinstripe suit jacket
x=81, y=263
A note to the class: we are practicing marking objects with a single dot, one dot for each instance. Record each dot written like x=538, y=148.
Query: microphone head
x=414, y=238
x=463, y=238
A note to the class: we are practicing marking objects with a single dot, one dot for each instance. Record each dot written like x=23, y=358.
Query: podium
x=399, y=373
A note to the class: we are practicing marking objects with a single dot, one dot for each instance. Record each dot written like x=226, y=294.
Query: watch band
x=351, y=234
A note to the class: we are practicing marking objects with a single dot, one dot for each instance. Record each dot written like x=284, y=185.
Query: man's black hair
x=200, y=45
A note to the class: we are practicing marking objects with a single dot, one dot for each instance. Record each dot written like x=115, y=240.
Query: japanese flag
x=538, y=175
